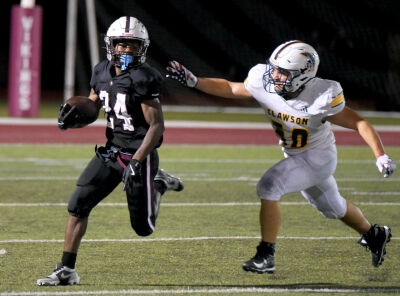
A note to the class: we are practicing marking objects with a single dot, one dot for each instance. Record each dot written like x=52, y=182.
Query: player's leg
x=374, y=237
x=355, y=219
x=94, y=184
x=291, y=174
x=164, y=182
x=144, y=201
x=270, y=220
x=327, y=199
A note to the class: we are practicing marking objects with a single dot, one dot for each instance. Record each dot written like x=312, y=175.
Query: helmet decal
x=310, y=62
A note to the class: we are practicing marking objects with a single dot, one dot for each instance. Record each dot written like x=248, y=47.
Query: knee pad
x=76, y=206
x=79, y=213
x=268, y=189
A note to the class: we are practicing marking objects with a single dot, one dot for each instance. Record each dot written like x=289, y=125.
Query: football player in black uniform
x=129, y=90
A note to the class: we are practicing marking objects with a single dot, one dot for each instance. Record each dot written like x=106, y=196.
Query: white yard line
x=230, y=290
x=179, y=124
x=174, y=239
x=208, y=179
x=74, y=161
x=189, y=204
x=376, y=193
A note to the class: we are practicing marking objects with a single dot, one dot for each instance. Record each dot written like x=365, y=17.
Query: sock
x=69, y=259
x=371, y=231
x=268, y=248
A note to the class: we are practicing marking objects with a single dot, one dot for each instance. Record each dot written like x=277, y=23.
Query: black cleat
x=171, y=182
x=375, y=240
x=260, y=263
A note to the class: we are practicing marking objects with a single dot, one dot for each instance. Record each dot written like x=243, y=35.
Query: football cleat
x=260, y=263
x=156, y=203
x=375, y=240
x=171, y=182
x=62, y=275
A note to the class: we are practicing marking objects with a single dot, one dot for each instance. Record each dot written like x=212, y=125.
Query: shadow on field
x=329, y=287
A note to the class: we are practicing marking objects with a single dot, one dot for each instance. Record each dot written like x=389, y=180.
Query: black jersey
x=121, y=98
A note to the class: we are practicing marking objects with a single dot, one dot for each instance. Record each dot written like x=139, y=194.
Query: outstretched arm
x=350, y=119
x=223, y=88
x=213, y=86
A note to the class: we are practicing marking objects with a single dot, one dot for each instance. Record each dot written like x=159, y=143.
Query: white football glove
x=178, y=72
x=385, y=165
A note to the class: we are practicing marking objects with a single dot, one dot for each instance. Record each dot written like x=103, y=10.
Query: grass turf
x=212, y=174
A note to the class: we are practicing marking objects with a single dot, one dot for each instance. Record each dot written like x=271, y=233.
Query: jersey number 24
x=119, y=109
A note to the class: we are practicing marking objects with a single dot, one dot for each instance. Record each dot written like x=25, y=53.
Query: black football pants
x=102, y=175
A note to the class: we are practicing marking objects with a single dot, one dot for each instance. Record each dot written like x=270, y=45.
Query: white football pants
x=311, y=173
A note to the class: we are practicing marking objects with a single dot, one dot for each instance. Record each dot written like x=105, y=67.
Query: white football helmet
x=298, y=60
x=126, y=28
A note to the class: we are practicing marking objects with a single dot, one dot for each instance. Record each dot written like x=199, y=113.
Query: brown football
x=87, y=108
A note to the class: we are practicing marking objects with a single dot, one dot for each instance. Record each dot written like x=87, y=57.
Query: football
x=77, y=112
x=87, y=108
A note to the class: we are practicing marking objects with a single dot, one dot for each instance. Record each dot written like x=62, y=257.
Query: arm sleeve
x=150, y=85
x=95, y=74
x=254, y=78
x=336, y=102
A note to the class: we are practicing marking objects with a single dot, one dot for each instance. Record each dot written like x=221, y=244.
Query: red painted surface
x=96, y=135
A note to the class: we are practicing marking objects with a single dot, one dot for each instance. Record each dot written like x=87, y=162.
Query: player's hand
x=67, y=115
x=178, y=72
x=132, y=176
x=385, y=165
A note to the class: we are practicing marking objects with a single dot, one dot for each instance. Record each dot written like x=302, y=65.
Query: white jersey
x=299, y=122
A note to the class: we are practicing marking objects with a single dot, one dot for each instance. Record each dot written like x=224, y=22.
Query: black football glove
x=132, y=176
x=68, y=116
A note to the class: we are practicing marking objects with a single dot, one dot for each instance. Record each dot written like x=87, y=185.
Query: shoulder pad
x=255, y=77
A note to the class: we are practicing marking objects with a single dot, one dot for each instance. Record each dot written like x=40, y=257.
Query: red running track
x=17, y=133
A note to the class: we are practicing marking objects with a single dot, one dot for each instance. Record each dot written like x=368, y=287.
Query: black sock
x=69, y=259
x=268, y=248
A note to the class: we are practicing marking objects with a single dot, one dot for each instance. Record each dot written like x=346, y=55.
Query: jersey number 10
x=298, y=136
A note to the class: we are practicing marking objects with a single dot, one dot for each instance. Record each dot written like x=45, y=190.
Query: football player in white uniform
x=301, y=108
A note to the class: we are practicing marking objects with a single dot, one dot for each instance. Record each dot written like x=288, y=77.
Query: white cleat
x=62, y=275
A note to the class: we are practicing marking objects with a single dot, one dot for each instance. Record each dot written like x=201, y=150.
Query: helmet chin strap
x=125, y=60
x=290, y=95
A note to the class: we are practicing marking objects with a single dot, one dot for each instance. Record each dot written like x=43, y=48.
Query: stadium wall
x=359, y=49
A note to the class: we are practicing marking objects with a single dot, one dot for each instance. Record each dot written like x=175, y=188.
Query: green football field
x=203, y=233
